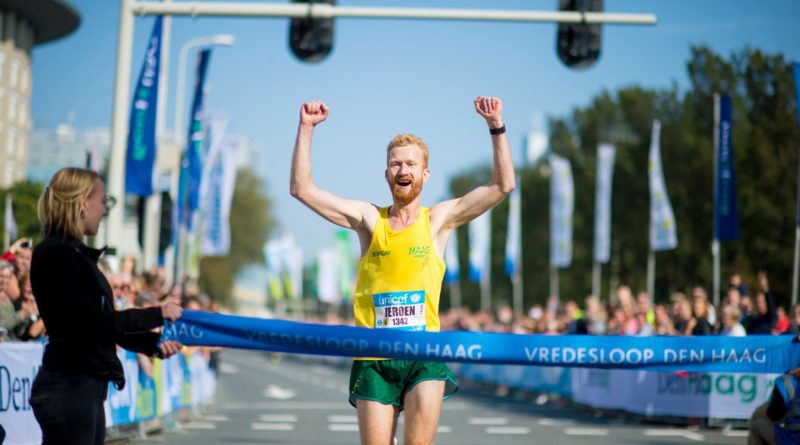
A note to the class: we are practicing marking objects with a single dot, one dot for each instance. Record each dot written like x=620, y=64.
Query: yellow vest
x=399, y=278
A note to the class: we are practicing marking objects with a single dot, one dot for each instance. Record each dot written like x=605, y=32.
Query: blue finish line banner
x=752, y=354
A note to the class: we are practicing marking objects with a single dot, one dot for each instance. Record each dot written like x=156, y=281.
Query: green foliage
x=251, y=224
x=25, y=196
x=765, y=144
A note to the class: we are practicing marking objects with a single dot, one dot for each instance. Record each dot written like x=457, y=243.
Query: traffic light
x=165, y=223
x=578, y=44
x=311, y=40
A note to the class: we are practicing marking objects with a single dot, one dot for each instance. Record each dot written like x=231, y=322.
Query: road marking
x=586, y=432
x=200, y=426
x=272, y=426
x=443, y=429
x=227, y=368
x=732, y=433
x=278, y=418
x=555, y=422
x=673, y=433
x=319, y=406
x=508, y=430
x=488, y=420
x=215, y=418
x=276, y=392
x=343, y=419
x=343, y=427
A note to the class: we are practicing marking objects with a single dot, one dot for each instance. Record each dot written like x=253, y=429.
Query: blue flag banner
x=513, y=235
x=726, y=210
x=756, y=353
x=562, y=205
x=141, y=152
x=602, y=202
x=479, y=239
x=663, y=233
x=192, y=159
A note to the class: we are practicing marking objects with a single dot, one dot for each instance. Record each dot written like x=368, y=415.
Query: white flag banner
x=513, y=235
x=291, y=257
x=562, y=205
x=479, y=234
x=10, y=222
x=451, y=259
x=663, y=233
x=328, y=275
x=221, y=183
x=602, y=202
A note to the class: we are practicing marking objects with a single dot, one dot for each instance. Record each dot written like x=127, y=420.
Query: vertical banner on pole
x=141, y=151
x=606, y=154
x=479, y=233
x=663, y=233
x=9, y=222
x=726, y=210
x=512, y=263
x=222, y=181
x=562, y=205
x=451, y=260
x=191, y=162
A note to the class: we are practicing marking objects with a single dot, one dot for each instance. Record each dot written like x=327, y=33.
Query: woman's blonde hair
x=61, y=202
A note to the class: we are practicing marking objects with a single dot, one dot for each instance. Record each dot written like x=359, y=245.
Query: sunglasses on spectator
x=109, y=202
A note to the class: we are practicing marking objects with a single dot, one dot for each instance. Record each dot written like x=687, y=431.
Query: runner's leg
x=423, y=405
x=377, y=422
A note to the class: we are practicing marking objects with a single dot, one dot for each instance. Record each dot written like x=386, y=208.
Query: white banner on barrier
x=728, y=396
x=19, y=363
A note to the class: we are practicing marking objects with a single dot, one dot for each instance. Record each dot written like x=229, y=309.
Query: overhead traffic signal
x=311, y=40
x=578, y=44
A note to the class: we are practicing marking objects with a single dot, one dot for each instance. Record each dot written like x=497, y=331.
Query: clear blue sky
x=388, y=76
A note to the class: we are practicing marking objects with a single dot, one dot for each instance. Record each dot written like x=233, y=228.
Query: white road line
x=349, y=427
x=443, y=429
x=508, y=430
x=673, y=433
x=586, y=432
x=200, y=426
x=319, y=406
x=488, y=421
x=278, y=418
x=343, y=419
x=215, y=418
x=733, y=433
x=272, y=426
x=555, y=422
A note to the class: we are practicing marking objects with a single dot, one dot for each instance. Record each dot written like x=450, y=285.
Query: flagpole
x=715, y=246
x=554, y=282
x=596, y=275
x=516, y=286
x=796, y=69
x=6, y=219
x=486, y=303
x=651, y=276
x=455, y=294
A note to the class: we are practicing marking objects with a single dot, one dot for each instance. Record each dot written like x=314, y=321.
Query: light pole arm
x=326, y=11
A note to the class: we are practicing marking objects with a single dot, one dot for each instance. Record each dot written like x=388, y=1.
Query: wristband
x=500, y=130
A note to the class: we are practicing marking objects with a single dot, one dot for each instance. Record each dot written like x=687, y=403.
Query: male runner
x=401, y=269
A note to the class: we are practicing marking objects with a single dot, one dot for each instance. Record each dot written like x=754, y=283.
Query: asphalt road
x=269, y=399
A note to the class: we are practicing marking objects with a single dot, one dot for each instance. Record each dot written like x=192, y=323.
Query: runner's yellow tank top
x=399, y=278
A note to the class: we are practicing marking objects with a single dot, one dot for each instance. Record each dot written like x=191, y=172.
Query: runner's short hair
x=408, y=139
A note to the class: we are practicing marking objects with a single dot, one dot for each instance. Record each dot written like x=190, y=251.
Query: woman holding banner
x=75, y=302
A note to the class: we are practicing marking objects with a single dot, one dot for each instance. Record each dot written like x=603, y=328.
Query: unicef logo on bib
x=403, y=311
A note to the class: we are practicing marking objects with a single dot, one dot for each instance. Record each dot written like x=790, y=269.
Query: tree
x=251, y=223
x=765, y=138
x=25, y=198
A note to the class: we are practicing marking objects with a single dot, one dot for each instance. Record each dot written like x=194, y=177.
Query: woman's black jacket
x=76, y=303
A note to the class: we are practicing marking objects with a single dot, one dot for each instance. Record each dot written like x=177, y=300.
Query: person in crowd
x=794, y=327
x=643, y=305
x=746, y=306
x=730, y=322
x=699, y=293
x=10, y=317
x=764, y=316
x=681, y=314
x=699, y=324
x=737, y=283
x=778, y=420
x=32, y=327
x=664, y=325
x=75, y=301
x=783, y=322
x=402, y=246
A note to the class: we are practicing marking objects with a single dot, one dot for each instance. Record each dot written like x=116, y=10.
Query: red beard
x=405, y=196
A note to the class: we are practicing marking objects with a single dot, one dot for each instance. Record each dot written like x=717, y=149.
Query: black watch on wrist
x=500, y=130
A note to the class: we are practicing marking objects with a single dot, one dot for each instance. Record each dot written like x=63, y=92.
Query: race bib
x=400, y=310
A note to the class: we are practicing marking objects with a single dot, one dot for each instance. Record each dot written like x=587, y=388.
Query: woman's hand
x=169, y=348
x=171, y=311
